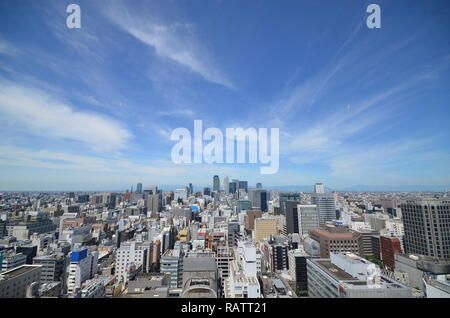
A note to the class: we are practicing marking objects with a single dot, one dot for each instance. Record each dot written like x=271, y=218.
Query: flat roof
x=19, y=271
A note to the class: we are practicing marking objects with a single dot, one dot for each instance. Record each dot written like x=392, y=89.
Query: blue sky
x=93, y=108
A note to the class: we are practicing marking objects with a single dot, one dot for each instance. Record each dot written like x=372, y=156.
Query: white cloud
x=170, y=41
x=36, y=112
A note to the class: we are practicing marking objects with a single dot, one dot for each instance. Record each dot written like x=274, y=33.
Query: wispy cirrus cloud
x=172, y=41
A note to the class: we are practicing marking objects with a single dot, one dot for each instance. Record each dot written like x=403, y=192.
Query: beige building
x=265, y=227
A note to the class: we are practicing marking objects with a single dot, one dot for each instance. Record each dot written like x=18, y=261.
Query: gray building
x=308, y=218
x=287, y=196
x=346, y=275
x=427, y=227
x=325, y=205
x=172, y=264
x=216, y=184
x=200, y=277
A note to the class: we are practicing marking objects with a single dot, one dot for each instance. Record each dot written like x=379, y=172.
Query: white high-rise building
x=243, y=282
x=131, y=254
x=83, y=266
x=318, y=188
x=226, y=185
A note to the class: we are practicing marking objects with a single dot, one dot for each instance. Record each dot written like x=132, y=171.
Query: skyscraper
x=287, y=196
x=308, y=218
x=139, y=188
x=427, y=227
x=325, y=205
x=258, y=198
x=259, y=185
x=243, y=185
x=233, y=186
x=318, y=188
x=216, y=184
x=226, y=185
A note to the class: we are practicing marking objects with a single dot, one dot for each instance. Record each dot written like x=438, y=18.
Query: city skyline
x=93, y=108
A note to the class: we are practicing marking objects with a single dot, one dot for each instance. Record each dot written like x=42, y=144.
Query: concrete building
x=14, y=282
x=287, y=196
x=346, y=275
x=414, y=270
x=326, y=206
x=226, y=185
x=308, y=218
x=427, y=227
x=297, y=269
x=129, y=254
x=243, y=282
x=342, y=241
x=172, y=264
x=264, y=228
x=83, y=266
x=12, y=260
x=250, y=217
x=200, y=277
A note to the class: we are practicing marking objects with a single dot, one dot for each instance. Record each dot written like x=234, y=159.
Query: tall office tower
x=258, y=199
x=216, y=184
x=154, y=203
x=259, y=185
x=243, y=185
x=308, y=218
x=287, y=196
x=318, y=188
x=291, y=217
x=226, y=185
x=234, y=186
x=325, y=205
x=250, y=219
x=191, y=189
x=139, y=188
x=427, y=227
x=207, y=191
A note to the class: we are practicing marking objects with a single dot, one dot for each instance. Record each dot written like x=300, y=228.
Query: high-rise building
x=259, y=185
x=83, y=266
x=233, y=186
x=226, y=185
x=427, y=227
x=14, y=282
x=308, y=218
x=250, y=219
x=325, y=205
x=191, y=189
x=258, y=199
x=318, y=188
x=131, y=254
x=139, y=188
x=287, y=196
x=243, y=185
x=154, y=203
x=291, y=217
x=216, y=184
